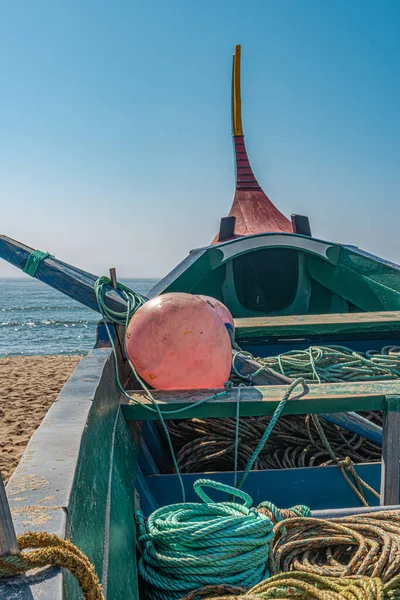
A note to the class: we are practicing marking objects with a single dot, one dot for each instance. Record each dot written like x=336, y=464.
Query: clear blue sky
x=115, y=141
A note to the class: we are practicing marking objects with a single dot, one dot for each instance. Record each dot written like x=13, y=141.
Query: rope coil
x=50, y=550
x=186, y=546
x=357, y=545
x=307, y=586
x=208, y=444
x=324, y=364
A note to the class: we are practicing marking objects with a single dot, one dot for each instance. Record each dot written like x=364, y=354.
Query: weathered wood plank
x=293, y=325
x=255, y=401
x=390, y=452
x=8, y=539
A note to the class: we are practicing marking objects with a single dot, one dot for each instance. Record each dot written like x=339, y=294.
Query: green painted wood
x=256, y=401
x=121, y=528
x=369, y=288
x=87, y=510
x=294, y=325
x=380, y=271
x=186, y=276
x=89, y=497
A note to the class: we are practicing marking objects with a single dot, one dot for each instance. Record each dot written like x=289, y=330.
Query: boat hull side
x=73, y=481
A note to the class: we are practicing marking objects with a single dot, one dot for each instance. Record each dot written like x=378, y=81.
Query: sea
x=37, y=320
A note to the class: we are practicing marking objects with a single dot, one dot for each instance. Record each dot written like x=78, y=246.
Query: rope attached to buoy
x=133, y=303
x=48, y=550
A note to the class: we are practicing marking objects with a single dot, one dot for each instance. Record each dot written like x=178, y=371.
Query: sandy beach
x=28, y=387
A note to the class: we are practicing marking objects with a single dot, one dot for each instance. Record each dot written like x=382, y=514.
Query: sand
x=28, y=387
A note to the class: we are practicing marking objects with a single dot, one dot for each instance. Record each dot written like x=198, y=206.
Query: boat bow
x=252, y=210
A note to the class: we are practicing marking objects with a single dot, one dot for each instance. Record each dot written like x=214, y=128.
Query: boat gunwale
x=40, y=489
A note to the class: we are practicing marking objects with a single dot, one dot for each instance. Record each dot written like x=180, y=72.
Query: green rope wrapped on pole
x=189, y=545
x=33, y=262
x=133, y=301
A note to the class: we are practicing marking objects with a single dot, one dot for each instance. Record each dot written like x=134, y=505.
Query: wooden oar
x=65, y=278
x=247, y=367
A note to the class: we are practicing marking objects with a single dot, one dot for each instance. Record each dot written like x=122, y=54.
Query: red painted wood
x=252, y=208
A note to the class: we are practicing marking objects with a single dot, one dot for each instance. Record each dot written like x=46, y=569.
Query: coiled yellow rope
x=357, y=545
x=303, y=585
x=50, y=550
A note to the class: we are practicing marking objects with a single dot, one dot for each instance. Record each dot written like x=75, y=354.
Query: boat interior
x=276, y=274
x=322, y=488
x=112, y=458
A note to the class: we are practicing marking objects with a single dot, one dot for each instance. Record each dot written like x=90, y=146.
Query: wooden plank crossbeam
x=367, y=322
x=256, y=401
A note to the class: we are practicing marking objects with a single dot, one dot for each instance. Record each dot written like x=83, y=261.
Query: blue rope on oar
x=190, y=545
x=33, y=262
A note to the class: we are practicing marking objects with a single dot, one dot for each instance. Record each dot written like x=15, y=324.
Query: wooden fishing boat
x=98, y=456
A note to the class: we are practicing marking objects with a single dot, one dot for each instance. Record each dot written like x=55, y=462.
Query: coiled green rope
x=186, y=546
x=33, y=261
x=132, y=299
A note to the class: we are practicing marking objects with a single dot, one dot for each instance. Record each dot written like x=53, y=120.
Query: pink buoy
x=223, y=313
x=178, y=341
x=220, y=308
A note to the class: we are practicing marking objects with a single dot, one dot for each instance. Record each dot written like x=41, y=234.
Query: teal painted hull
x=96, y=456
x=87, y=467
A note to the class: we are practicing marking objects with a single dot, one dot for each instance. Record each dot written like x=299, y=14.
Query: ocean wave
x=46, y=322
x=35, y=308
x=32, y=319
